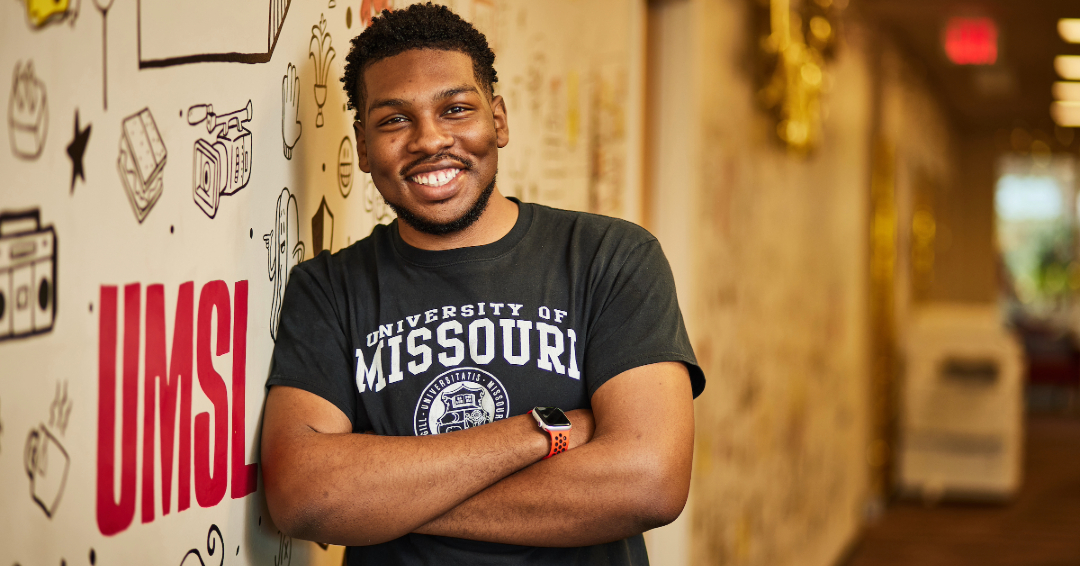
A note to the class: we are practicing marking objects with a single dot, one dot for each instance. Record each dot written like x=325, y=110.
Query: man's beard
x=443, y=228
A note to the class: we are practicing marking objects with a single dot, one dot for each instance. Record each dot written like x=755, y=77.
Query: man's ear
x=502, y=127
x=361, y=147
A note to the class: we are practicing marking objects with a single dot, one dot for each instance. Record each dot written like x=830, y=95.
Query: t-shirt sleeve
x=638, y=321
x=312, y=348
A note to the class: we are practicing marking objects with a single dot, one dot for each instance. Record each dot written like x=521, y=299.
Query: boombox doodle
x=221, y=166
x=27, y=275
x=141, y=162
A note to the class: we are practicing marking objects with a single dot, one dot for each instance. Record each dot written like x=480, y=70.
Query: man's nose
x=430, y=137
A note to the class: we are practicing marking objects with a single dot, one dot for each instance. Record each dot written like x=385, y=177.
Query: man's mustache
x=463, y=162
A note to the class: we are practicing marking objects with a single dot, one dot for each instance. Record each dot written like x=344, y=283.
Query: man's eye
x=456, y=110
x=393, y=120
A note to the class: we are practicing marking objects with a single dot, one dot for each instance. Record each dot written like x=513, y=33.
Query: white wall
x=102, y=156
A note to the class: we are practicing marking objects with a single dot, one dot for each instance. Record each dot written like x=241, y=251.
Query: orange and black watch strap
x=559, y=442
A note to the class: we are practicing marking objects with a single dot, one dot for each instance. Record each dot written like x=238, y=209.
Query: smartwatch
x=554, y=421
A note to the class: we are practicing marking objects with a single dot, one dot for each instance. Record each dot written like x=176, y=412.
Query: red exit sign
x=971, y=41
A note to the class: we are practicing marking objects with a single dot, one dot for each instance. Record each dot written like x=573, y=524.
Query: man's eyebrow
x=388, y=102
x=452, y=92
x=398, y=102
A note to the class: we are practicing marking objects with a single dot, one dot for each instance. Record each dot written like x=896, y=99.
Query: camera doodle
x=40, y=13
x=221, y=166
x=46, y=460
x=141, y=162
x=345, y=166
x=27, y=275
x=322, y=52
x=194, y=558
x=165, y=32
x=322, y=229
x=284, y=250
x=290, y=110
x=28, y=112
x=77, y=149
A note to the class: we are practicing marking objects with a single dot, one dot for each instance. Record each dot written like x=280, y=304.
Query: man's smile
x=436, y=178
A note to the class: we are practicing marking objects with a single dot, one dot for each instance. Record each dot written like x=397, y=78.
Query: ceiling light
x=1066, y=113
x=1067, y=91
x=1068, y=66
x=1069, y=29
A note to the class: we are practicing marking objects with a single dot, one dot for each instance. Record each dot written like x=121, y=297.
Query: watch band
x=560, y=438
x=559, y=442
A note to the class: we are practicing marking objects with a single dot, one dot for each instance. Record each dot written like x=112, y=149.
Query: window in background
x=1035, y=205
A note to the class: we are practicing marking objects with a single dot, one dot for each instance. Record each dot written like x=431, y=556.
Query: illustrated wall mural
x=141, y=162
x=40, y=13
x=77, y=149
x=222, y=165
x=28, y=112
x=202, y=31
x=189, y=155
x=46, y=460
x=27, y=275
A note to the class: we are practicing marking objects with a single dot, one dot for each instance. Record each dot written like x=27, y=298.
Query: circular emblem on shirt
x=459, y=399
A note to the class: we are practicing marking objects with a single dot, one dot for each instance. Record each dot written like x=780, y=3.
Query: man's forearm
x=633, y=476
x=360, y=489
x=593, y=494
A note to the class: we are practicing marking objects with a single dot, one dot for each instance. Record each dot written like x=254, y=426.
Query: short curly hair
x=419, y=26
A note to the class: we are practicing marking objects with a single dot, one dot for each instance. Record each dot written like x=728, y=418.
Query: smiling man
x=483, y=381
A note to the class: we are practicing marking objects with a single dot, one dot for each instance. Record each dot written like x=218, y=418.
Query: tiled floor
x=1040, y=527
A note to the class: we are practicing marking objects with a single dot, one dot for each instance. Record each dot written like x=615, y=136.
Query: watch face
x=552, y=416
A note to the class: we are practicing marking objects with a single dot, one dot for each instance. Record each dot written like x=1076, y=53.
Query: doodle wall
x=166, y=165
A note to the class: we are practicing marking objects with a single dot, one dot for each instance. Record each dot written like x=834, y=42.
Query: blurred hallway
x=871, y=211
x=1039, y=527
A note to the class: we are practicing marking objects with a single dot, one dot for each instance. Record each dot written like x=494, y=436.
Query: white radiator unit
x=961, y=410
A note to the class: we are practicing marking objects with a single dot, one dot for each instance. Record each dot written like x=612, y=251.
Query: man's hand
x=290, y=107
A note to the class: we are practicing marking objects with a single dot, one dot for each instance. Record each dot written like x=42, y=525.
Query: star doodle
x=76, y=149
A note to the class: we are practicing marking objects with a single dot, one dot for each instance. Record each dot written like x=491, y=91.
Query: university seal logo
x=459, y=399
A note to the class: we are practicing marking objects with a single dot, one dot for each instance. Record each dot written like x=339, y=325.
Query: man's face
x=430, y=136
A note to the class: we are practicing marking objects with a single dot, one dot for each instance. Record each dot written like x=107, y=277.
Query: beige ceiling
x=1013, y=92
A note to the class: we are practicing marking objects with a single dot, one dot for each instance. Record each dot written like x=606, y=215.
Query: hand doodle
x=290, y=106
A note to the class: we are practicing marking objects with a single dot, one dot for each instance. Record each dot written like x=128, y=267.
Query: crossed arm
x=627, y=470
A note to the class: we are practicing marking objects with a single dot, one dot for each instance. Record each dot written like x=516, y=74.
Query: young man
x=439, y=335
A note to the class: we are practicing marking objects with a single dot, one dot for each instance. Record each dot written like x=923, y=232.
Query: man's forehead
x=419, y=65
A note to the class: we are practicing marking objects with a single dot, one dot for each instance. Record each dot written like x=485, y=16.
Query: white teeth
x=436, y=179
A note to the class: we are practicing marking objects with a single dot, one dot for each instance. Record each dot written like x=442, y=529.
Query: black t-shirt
x=408, y=341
